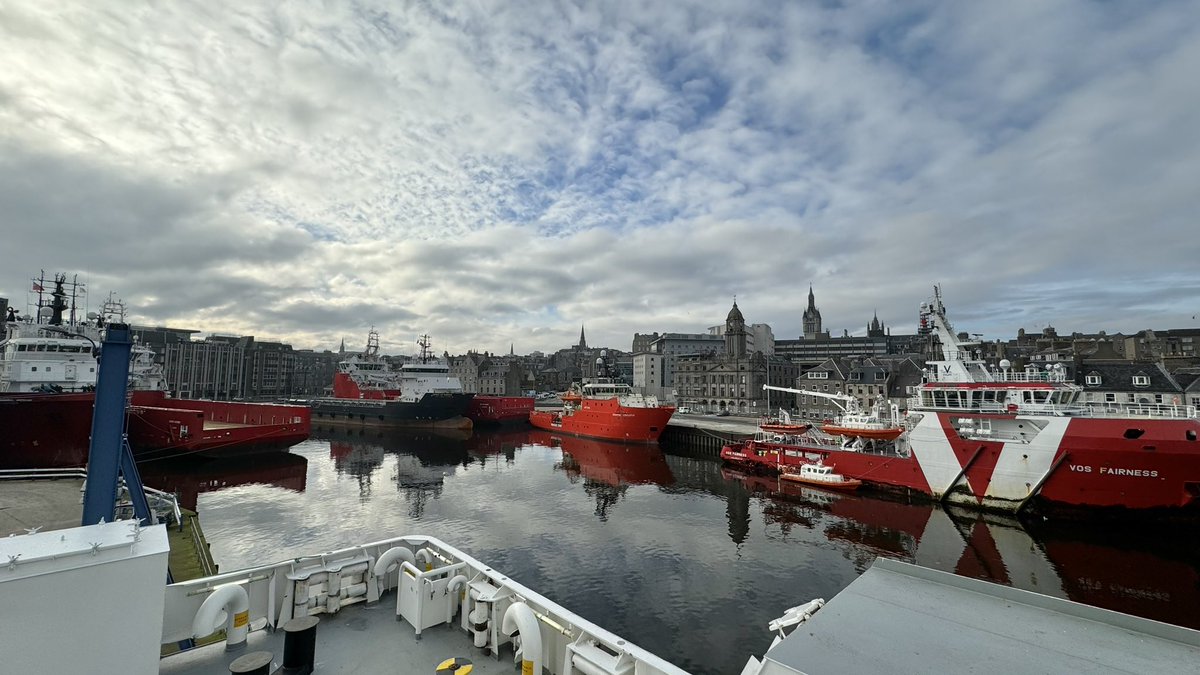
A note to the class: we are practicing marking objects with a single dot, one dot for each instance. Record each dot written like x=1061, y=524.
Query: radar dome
x=1005, y=363
x=45, y=312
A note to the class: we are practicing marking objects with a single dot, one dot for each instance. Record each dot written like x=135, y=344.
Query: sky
x=503, y=173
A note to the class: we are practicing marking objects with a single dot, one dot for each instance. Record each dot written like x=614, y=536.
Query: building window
x=1141, y=381
x=1092, y=380
x=1110, y=398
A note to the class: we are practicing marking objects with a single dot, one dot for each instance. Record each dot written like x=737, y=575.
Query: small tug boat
x=823, y=476
x=606, y=408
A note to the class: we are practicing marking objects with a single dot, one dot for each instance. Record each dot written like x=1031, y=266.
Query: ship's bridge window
x=20, y=348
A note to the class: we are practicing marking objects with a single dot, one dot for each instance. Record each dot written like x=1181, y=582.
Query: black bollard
x=254, y=663
x=299, y=645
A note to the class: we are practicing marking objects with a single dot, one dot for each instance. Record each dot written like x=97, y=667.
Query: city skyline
x=301, y=173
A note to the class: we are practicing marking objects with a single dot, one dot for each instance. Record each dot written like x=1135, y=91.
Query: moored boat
x=609, y=409
x=996, y=439
x=48, y=377
x=367, y=392
x=821, y=476
x=488, y=409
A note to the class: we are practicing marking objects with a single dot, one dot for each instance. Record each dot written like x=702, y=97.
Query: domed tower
x=735, y=333
x=812, y=317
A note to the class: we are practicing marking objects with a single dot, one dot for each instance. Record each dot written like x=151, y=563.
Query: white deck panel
x=899, y=618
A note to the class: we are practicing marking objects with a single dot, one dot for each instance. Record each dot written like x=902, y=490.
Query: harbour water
x=686, y=558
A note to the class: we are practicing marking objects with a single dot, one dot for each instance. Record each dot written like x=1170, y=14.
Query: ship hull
x=54, y=430
x=607, y=419
x=500, y=409
x=1051, y=463
x=434, y=410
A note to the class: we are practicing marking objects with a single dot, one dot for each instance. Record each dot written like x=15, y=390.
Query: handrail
x=181, y=602
x=81, y=474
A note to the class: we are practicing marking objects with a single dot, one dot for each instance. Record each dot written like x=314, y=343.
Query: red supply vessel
x=999, y=439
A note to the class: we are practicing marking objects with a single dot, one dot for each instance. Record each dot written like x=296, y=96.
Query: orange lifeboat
x=781, y=428
x=874, y=433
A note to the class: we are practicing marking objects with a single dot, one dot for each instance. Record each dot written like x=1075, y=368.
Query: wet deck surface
x=358, y=639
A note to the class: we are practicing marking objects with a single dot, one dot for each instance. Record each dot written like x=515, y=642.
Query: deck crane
x=852, y=412
x=847, y=404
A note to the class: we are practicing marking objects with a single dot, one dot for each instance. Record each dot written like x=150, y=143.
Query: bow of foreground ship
x=1005, y=440
x=48, y=371
x=606, y=408
x=368, y=392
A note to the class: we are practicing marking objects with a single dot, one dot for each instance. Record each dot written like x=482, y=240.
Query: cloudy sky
x=503, y=172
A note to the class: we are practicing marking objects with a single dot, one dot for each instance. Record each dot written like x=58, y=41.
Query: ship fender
x=233, y=601
x=386, y=562
x=519, y=618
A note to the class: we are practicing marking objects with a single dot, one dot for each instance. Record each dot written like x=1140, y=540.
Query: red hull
x=608, y=462
x=53, y=430
x=1092, y=465
x=607, y=419
x=500, y=409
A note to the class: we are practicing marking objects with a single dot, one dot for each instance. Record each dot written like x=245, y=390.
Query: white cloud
x=494, y=173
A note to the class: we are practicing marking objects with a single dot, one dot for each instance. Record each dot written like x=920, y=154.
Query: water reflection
x=188, y=477
x=423, y=458
x=607, y=469
x=1124, y=570
x=687, y=558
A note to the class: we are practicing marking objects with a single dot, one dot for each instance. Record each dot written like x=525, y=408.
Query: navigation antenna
x=423, y=342
x=372, y=343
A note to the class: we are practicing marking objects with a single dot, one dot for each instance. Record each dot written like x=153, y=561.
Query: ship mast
x=423, y=342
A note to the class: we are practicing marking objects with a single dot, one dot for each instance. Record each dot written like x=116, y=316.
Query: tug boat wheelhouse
x=1000, y=439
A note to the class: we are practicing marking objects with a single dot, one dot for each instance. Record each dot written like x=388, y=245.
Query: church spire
x=342, y=349
x=582, y=339
x=812, y=300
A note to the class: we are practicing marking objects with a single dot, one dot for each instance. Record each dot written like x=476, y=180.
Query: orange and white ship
x=606, y=408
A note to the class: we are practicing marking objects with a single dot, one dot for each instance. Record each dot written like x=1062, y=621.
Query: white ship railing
x=160, y=502
x=274, y=595
x=1146, y=410
x=1142, y=410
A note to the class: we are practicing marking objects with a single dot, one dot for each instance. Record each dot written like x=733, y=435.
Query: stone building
x=733, y=380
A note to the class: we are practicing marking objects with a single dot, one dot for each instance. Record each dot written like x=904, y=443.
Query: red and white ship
x=1003, y=440
x=368, y=392
x=48, y=376
x=608, y=409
